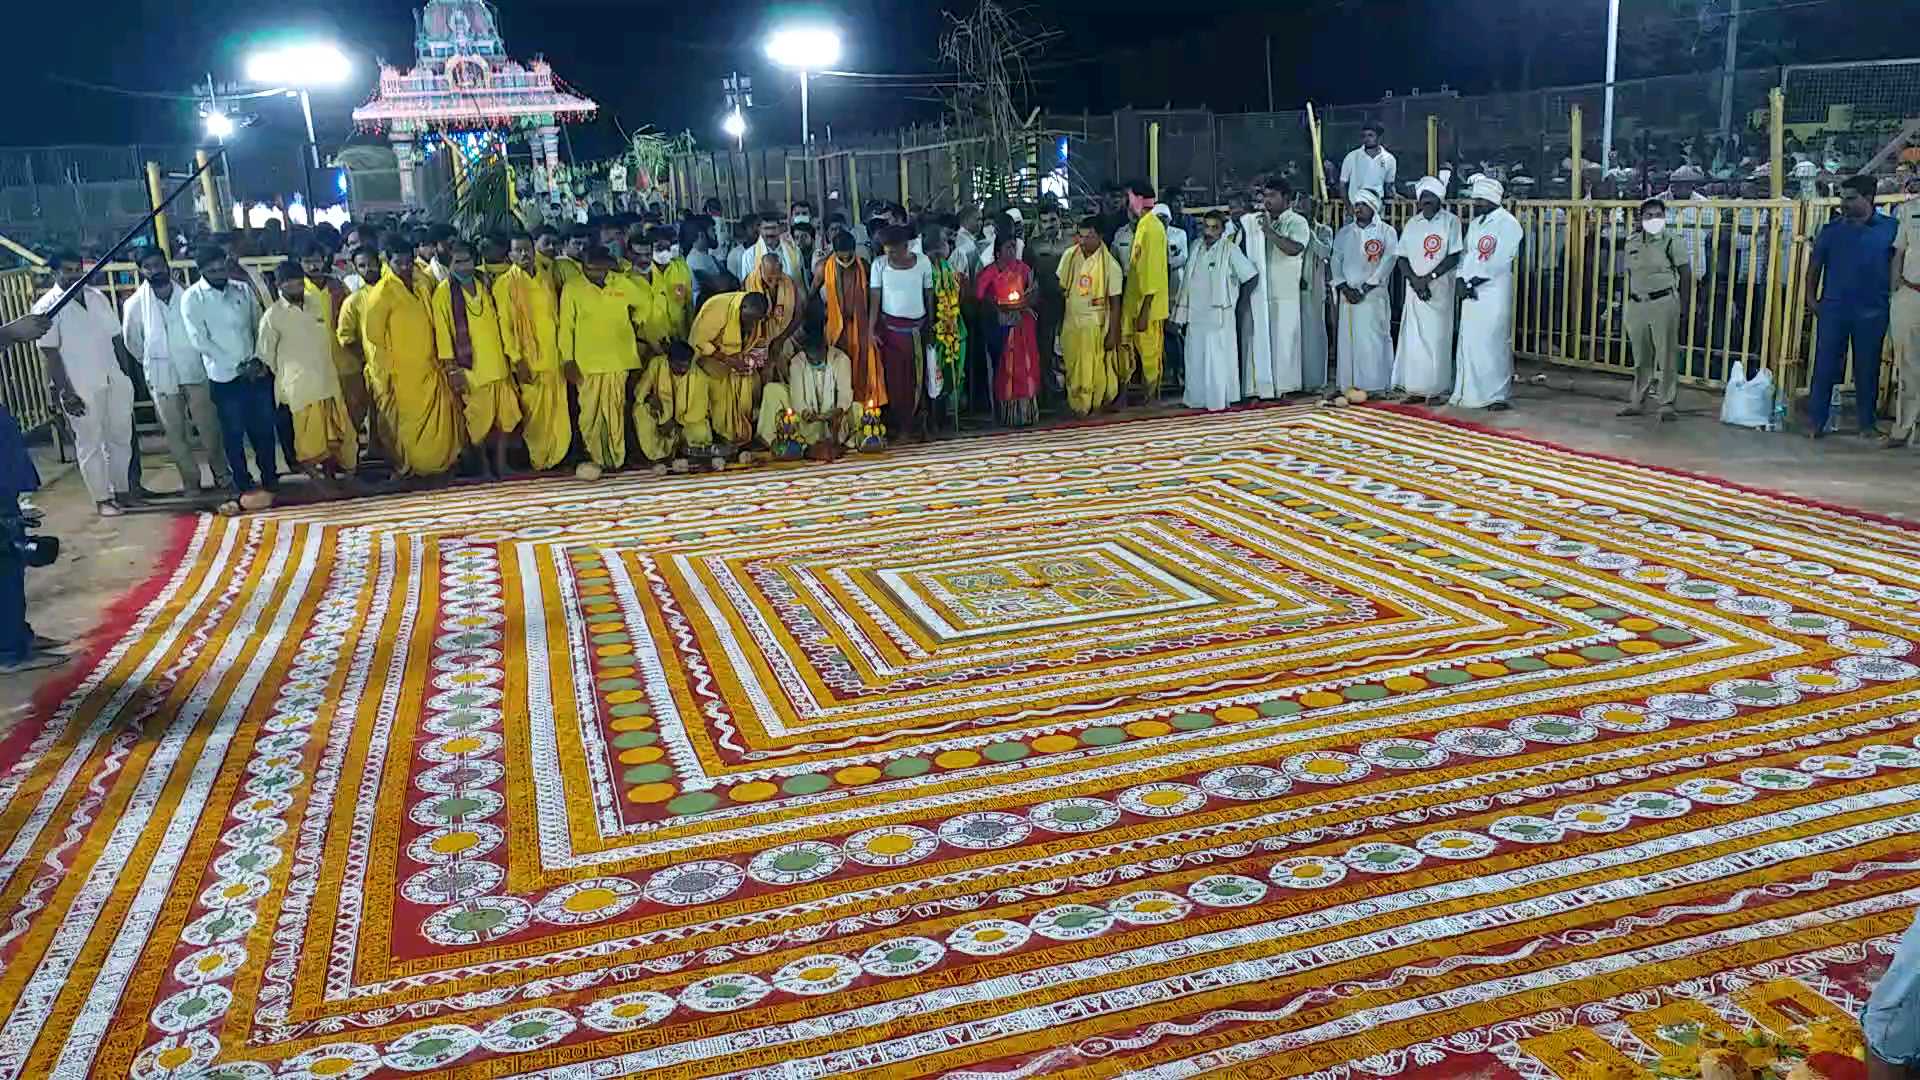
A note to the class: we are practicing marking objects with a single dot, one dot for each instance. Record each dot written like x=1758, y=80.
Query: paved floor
x=100, y=560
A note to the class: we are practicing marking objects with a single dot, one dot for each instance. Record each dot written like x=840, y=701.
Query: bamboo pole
x=160, y=233
x=208, y=191
x=1777, y=141
x=1153, y=157
x=1433, y=145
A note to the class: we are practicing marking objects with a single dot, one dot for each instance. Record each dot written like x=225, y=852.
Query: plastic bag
x=935, y=385
x=1749, y=401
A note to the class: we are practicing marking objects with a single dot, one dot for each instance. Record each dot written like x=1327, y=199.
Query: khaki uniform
x=1654, y=306
x=1904, y=326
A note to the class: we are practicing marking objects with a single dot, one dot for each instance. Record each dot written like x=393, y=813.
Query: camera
x=30, y=549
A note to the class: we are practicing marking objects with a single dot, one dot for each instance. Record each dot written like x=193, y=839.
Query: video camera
x=25, y=546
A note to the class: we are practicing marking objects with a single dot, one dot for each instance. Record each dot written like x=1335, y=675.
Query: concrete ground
x=102, y=559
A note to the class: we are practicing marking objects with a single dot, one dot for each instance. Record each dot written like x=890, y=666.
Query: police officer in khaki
x=1904, y=325
x=1659, y=277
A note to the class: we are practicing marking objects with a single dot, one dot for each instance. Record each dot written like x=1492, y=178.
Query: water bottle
x=1777, y=419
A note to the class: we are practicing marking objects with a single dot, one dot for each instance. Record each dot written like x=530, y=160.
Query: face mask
x=159, y=279
x=662, y=258
x=464, y=277
x=803, y=219
x=1654, y=226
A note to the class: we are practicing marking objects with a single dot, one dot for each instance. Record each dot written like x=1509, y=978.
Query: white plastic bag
x=935, y=385
x=1748, y=402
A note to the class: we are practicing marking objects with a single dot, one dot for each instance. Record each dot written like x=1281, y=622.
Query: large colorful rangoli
x=1265, y=742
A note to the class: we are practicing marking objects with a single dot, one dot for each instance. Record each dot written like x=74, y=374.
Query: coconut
x=586, y=470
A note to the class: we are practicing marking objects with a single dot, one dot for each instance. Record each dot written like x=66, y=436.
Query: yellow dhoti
x=492, y=409
x=385, y=431
x=549, y=429
x=355, y=395
x=1093, y=378
x=428, y=425
x=774, y=400
x=731, y=410
x=603, y=418
x=1144, y=352
x=323, y=434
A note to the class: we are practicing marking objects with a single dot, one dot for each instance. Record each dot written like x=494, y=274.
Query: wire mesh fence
x=79, y=195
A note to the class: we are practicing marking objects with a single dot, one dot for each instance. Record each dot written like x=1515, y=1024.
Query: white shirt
x=1361, y=170
x=964, y=246
x=1425, y=243
x=178, y=363
x=902, y=292
x=221, y=323
x=1363, y=254
x=84, y=335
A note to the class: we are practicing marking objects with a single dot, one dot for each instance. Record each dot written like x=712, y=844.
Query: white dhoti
x=103, y=435
x=1366, y=342
x=1270, y=339
x=1484, y=372
x=1213, y=362
x=1423, y=363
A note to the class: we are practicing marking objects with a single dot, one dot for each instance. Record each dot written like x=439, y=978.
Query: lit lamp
x=736, y=126
x=873, y=433
x=302, y=68
x=806, y=49
x=786, y=437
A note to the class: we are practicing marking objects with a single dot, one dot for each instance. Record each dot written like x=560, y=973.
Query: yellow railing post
x=853, y=189
x=1777, y=140
x=1153, y=156
x=1433, y=146
x=904, y=196
x=1573, y=136
x=162, y=238
x=1319, y=170
x=208, y=191
x=1576, y=246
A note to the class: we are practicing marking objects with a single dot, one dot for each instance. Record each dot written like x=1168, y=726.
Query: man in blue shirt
x=1853, y=255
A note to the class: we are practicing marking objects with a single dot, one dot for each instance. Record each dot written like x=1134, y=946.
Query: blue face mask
x=464, y=277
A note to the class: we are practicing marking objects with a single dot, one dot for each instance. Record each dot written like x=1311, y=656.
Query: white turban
x=1486, y=187
x=1161, y=211
x=1368, y=197
x=1433, y=184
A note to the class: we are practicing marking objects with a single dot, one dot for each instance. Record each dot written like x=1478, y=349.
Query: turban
x=1368, y=197
x=1433, y=184
x=1486, y=187
x=1688, y=172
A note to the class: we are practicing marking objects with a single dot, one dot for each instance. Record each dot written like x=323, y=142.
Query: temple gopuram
x=464, y=93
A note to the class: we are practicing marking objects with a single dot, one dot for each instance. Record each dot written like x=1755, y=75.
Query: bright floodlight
x=310, y=66
x=806, y=48
x=219, y=125
x=734, y=125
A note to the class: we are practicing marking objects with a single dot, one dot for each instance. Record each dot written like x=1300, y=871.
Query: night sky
x=1113, y=54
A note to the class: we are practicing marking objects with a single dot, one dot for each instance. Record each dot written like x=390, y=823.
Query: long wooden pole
x=127, y=240
x=160, y=232
x=1319, y=170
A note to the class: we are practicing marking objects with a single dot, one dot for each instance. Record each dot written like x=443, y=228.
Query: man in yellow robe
x=348, y=333
x=1090, y=335
x=673, y=280
x=729, y=338
x=296, y=345
x=466, y=326
x=1144, y=342
x=597, y=338
x=773, y=398
x=670, y=409
x=528, y=301
x=327, y=295
x=398, y=331
x=570, y=265
x=653, y=318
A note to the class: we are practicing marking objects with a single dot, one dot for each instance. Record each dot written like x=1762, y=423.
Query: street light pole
x=806, y=132
x=1606, y=120
x=310, y=160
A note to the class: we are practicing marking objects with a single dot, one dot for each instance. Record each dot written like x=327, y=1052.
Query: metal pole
x=1433, y=146
x=311, y=160
x=161, y=240
x=1153, y=156
x=805, y=138
x=1606, y=120
x=1574, y=133
x=209, y=191
x=1726, y=72
x=1269, y=72
x=1777, y=140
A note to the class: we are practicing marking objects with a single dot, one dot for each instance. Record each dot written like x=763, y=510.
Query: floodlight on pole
x=736, y=126
x=219, y=126
x=301, y=68
x=806, y=49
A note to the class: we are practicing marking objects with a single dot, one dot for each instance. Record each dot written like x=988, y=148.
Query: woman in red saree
x=1013, y=340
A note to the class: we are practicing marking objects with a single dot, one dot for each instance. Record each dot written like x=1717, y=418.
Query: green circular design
x=906, y=766
x=1601, y=652
x=651, y=737
x=806, y=784
x=1192, y=722
x=1605, y=613
x=1497, y=574
x=1373, y=532
x=1526, y=663
x=619, y=682
x=623, y=662
x=1074, y=815
x=1103, y=736
x=1548, y=592
x=632, y=708
x=477, y=919
x=693, y=802
x=1280, y=707
x=454, y=806
x=1005, y=751
x=1365, y=692
x=627, y=740
x=1448, y=676
x=586, y=564
x=1671, y=635
x=651, y=773
x=795, y=860
x=1336, y=522
x=610, y=639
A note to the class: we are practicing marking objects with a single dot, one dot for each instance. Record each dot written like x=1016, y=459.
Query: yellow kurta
x=675, y=281
x=489, y=403
x=1146, y=277
x=653, y=314
x=1091, y=283
x=379, y=383
x=716, y=338
x=529, y=308
x=670, y=411
x=597, y=327
x=566, y=271
x=398, y=331
x=353, y=378
x=295, y=344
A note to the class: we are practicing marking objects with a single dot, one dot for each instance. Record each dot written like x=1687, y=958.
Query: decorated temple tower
x=466, y=97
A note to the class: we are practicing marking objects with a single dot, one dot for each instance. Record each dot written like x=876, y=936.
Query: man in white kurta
x=1369, y=166
x=1430, y=249
x=1276, y=241
x=1216, y=275
x=822, y=397
x=1483, y=368
x=1363, y=264
x=1314, y=369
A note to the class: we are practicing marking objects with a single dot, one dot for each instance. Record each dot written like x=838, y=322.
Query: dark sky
x=1114, y=53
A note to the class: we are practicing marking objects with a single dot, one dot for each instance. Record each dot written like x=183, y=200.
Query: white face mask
x=803, y=219
x=1653, y=225
x=662, y=258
